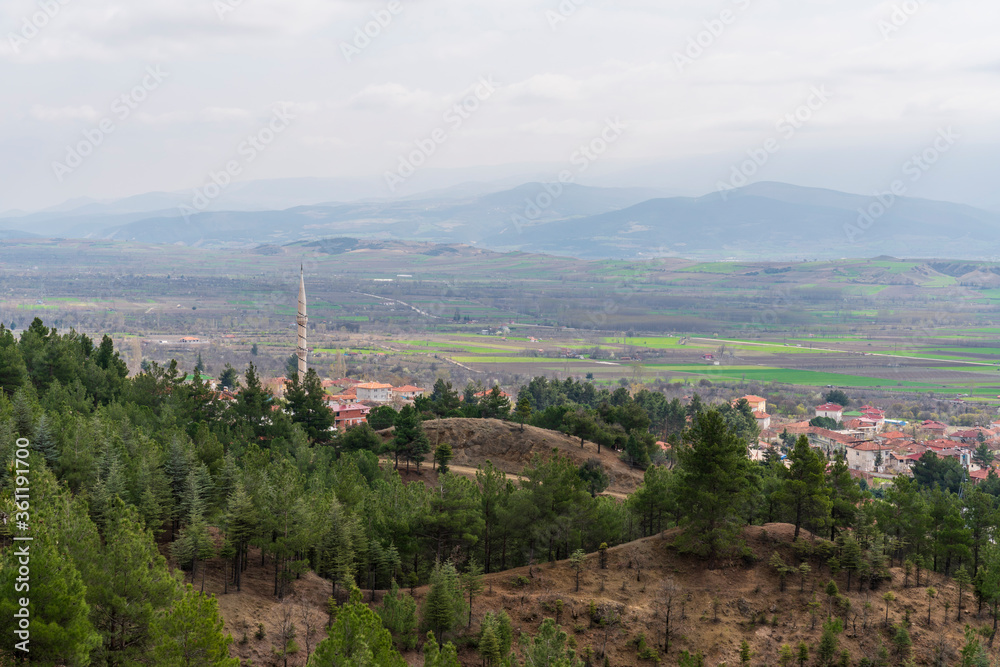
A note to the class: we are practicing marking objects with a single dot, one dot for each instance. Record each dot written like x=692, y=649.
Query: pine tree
x=712, y=480
x=472, y=583
x=241, y=522
x=902, y=642
x=44, y=441
x=489, y=647
x=229, y=378
x=399, y=616
x=523, y=410
x=577, y=560
x=548, y=647
x=409, y=438
x=803, y=654
x=444, y=607
x=191, y=634
x=845, y=495
x=336, y=547
x=133, y=585
x=24, y=413
x=963, y=580
x=804, y=490
x=356, y=637
x=61, y=630
x=495, y=405
x=442, y=456
x=13, y=372
x=850, y=556
x=636, y=452
x=828, y=643
x=306, y=400
x=786, y=656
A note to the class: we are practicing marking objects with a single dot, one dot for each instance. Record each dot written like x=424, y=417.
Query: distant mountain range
x=763, y=221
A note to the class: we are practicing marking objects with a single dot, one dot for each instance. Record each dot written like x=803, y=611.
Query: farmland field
x=902, y=326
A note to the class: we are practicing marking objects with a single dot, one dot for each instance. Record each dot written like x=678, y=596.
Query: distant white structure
x=375, y=392
x=302, y=319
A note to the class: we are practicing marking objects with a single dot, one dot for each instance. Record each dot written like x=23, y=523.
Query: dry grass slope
x=474, y=441
x=634, y=584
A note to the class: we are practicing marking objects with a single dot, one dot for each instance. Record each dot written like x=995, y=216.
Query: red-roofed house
x=939, y=444
x=346, y=396
x=407, y=392
x=831, y=410
x=830, y=441
x=977, y=476
x=970, y=436
x=352, y=414
x=763, y=419
x=862, y=456
x=867, y=426
x=756, y=403
x=934, y=427
x=877, y=415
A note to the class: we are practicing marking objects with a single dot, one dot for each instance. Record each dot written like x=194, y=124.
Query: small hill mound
x=476, y=441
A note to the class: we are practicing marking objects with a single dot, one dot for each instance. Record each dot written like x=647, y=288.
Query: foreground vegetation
x=120, y=462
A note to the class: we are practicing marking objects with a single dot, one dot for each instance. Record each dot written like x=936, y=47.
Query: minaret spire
x=302, y=319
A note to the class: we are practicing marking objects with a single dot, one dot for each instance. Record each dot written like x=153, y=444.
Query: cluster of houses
x=351, y=400
x=877, y=446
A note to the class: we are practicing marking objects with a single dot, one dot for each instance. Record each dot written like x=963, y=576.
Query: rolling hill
x=763, y=221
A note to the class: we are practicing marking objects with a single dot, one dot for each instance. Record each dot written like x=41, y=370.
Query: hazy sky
x=881, y=81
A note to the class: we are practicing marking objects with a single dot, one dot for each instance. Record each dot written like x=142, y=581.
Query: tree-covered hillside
x=119, y=464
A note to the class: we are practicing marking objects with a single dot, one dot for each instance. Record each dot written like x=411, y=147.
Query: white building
x=374, y=391
x=831, y=410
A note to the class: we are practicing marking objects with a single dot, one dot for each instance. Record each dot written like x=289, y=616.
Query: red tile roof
x=867, y=446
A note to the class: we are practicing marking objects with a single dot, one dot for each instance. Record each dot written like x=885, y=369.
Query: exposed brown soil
x=750, y=606
x=475, y=441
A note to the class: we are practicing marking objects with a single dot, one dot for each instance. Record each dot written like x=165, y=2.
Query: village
x=876, y=446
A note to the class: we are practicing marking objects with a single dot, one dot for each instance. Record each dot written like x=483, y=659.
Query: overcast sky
x=881, y=87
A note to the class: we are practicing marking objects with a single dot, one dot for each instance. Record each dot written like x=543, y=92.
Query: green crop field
x=786, y=376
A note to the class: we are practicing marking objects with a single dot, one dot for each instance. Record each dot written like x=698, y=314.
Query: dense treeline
x=119, y=460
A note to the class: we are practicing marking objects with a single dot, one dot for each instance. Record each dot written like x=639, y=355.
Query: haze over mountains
x=764, y=221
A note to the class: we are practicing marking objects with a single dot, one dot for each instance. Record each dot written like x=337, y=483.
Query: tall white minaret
x=303, y=320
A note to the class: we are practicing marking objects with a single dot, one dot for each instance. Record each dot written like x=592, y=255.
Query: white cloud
x=225, y=114
x=51, y=114
x=610, y=58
